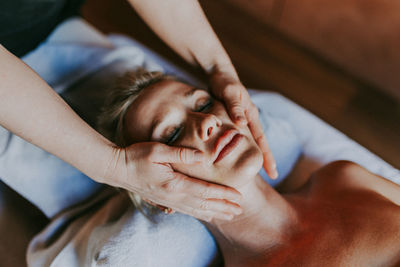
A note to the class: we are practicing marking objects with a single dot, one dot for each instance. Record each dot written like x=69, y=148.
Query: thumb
x=183, y=155
x=237, y=111
x=233, y=98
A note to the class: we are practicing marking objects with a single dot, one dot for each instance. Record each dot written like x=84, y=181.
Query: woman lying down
x=343, y=215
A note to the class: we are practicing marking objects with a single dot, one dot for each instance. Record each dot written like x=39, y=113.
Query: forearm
x=32, y=110
x=185, y=28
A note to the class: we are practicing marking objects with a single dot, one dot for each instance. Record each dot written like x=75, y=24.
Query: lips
x=226, y=143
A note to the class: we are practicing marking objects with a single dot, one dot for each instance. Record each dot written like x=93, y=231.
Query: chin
x=247, y=166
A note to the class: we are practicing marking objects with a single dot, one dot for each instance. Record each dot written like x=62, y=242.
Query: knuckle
x=230, y=90
x=204, y=205
x=169, y=187
x=183, y=155
x=207, y=190
x=225, y=202
x=231, y=87
x=260, y=139
x=177, y=185
x=195, y=213
x=236, y=105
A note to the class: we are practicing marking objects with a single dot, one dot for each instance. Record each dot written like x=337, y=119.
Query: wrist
x=113, y=165
x=225, y=71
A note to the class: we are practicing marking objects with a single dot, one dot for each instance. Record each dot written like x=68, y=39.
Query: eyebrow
x=157, y=121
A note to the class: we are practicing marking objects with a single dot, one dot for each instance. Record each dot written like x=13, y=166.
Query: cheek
x=246, y=166
x=251, y=161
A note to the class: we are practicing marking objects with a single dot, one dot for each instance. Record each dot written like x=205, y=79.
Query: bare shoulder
x=342, y=175
x=361, y=211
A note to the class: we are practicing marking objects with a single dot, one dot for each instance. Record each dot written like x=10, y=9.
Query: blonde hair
x=110, y=123
x=127, y=88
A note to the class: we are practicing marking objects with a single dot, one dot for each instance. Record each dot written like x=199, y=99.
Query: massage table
x=309, y=141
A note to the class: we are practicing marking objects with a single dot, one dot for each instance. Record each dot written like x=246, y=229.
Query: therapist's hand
x=144, y=168
x=242, y=111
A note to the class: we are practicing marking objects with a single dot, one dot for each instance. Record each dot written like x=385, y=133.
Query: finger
x=160, y=207
x=232, y=97
x=236, y=111
x=203, y=189
x=216, y=205
x=255, y=127
x=169, y=154
x=150, y=202
x=192, y=207
x=210, y=216
x=182, y=207
x=213, y=207
x=269, y=163
x=203, y=209
x=206, y=215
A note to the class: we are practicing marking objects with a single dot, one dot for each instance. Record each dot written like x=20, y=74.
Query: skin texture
x=342, y=216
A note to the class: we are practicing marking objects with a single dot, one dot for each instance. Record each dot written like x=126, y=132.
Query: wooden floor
x=266, y=59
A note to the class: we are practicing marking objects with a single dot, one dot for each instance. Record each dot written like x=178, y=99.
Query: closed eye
x=174, y=135
x=204, y=107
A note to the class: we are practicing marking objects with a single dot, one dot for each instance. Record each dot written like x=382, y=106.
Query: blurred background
x=338, y=59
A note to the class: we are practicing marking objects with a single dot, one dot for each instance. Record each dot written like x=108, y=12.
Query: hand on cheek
x=243, y=111
x=145, y=169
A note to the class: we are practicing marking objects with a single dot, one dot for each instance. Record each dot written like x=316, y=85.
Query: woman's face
x=178, y=114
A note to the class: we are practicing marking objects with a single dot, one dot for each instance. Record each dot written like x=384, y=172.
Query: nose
x=207, y=125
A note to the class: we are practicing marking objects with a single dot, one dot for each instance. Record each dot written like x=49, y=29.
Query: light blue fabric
x=46, y=181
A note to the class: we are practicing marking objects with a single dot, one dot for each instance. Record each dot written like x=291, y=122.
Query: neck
x=265, y=222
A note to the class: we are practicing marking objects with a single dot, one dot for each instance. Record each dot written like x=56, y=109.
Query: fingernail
x=207, y=219
x=239, y=197
x=240, y=119
x=235, y=197
x=228, y=217
x=237, y=211
x=274, y=174
x=198, y=156
x=274, y=165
